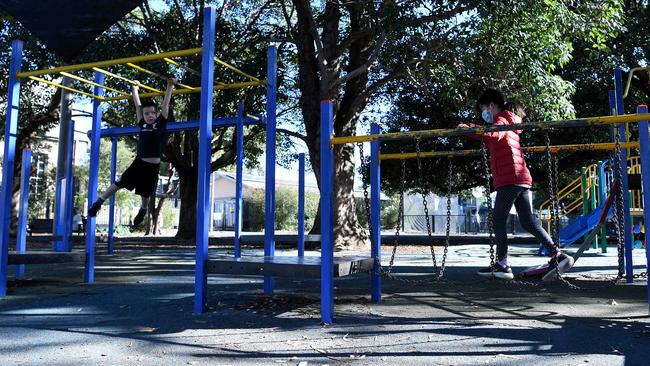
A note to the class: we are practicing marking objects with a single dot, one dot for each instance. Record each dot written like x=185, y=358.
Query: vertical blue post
x=301, y=205
x=602, y=197
x=326, y=214
x=239, y=179
x=111, y=200
x=644, y=141
x=375, y=217
x=69, y=190
x=269, y=190
x=11, y=127
x=21, y=238
x=620, y=110
x=205, y=143
x=89, y=270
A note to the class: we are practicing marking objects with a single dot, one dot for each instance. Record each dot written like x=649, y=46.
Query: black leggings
x=506, y=197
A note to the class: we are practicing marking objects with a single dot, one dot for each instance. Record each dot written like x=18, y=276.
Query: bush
x=286, y=209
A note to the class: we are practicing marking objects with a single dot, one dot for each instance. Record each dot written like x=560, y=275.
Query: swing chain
x=619, y=215
x=448, y=224
x=486, y=171
x=424, y=203
x=400, y=217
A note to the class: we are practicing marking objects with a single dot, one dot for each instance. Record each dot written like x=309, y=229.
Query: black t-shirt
x=151, y=138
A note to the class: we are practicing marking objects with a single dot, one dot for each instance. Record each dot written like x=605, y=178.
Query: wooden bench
x=285, y=266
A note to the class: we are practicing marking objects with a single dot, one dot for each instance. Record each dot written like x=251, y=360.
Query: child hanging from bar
x=512, y=182
x=142, y=174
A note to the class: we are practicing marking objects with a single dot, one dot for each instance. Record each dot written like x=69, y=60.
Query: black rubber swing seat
x=286, y=266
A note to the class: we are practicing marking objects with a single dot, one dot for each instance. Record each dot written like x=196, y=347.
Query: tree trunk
x=188, y=182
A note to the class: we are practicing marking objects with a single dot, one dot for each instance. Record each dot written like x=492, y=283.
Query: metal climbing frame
x=204, y=125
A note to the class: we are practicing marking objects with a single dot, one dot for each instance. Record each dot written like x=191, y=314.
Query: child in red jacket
x=512, y=182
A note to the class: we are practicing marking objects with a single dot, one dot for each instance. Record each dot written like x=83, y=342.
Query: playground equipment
x=375, y=138
x=269, y=265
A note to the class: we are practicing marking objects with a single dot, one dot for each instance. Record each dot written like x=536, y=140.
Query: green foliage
x=286, y=209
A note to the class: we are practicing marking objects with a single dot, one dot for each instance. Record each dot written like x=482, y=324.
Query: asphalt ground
x=139, y=311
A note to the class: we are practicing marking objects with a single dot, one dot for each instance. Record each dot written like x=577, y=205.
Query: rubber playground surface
x=139, y=311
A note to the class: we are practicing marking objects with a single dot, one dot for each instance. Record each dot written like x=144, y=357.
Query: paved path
x=139, y=312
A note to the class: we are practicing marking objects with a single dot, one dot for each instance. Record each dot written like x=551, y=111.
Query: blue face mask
x=487, y=116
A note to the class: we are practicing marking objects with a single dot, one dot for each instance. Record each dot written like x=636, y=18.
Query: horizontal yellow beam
x=118, y=61
x=153, y=73
x=535, y=149
x=629, y=79
x=188, y=69
x=78, y=78
x=132, y=82
x=66, y=87
x=194, y=90
x=227, y=65
x=579, y=122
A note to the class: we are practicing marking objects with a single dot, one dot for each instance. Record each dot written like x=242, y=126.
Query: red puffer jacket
x=506, y=158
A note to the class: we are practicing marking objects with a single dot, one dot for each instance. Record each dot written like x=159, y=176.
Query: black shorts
x=141, y=176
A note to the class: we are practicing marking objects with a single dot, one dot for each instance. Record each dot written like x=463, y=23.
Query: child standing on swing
x=142, y=174
x=512, y=182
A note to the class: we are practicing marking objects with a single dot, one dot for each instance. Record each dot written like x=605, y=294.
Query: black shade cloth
x=67, y=27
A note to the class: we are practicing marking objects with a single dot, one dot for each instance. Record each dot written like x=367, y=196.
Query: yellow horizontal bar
x=194, y=90
x=75, y=77
x=127, y=80
x=629, y=79
x=66, y=88
x=118, y=61
x=172, y=62
x=153, y=73
x=535, y=149
x=236, y=69
x=254, y=118
x=583, y=122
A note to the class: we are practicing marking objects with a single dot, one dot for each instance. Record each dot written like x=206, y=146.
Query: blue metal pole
x=69, y=192
x=644, y=141
x=21, y=238
x=269, y=202
x=11, y=127
x=239, y=180
x=111, y=200
x=205, y=157
x=620, y=110
x=89, y=270
x=301, y=205
x=375, y=216
x=327, y=213
x=184, y=126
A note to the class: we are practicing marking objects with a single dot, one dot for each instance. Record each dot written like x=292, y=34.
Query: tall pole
x=61, y=194
x=11, y=128
x=375, y=215
x=269, y=190
x=111, y=207
x=239, y=188
x=326, y=213
x=89, y=269
x=205, y=145
x=301, y=205
x=644, y=140
x=21, y=239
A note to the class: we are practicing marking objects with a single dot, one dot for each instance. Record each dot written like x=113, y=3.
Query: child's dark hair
x=516, y=108
x=491, y=96
x=149, y=103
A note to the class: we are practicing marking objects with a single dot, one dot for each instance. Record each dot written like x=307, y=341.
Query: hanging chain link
x=448, y=221
x=619, y=214
x=488, y=191
x=424, y=203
